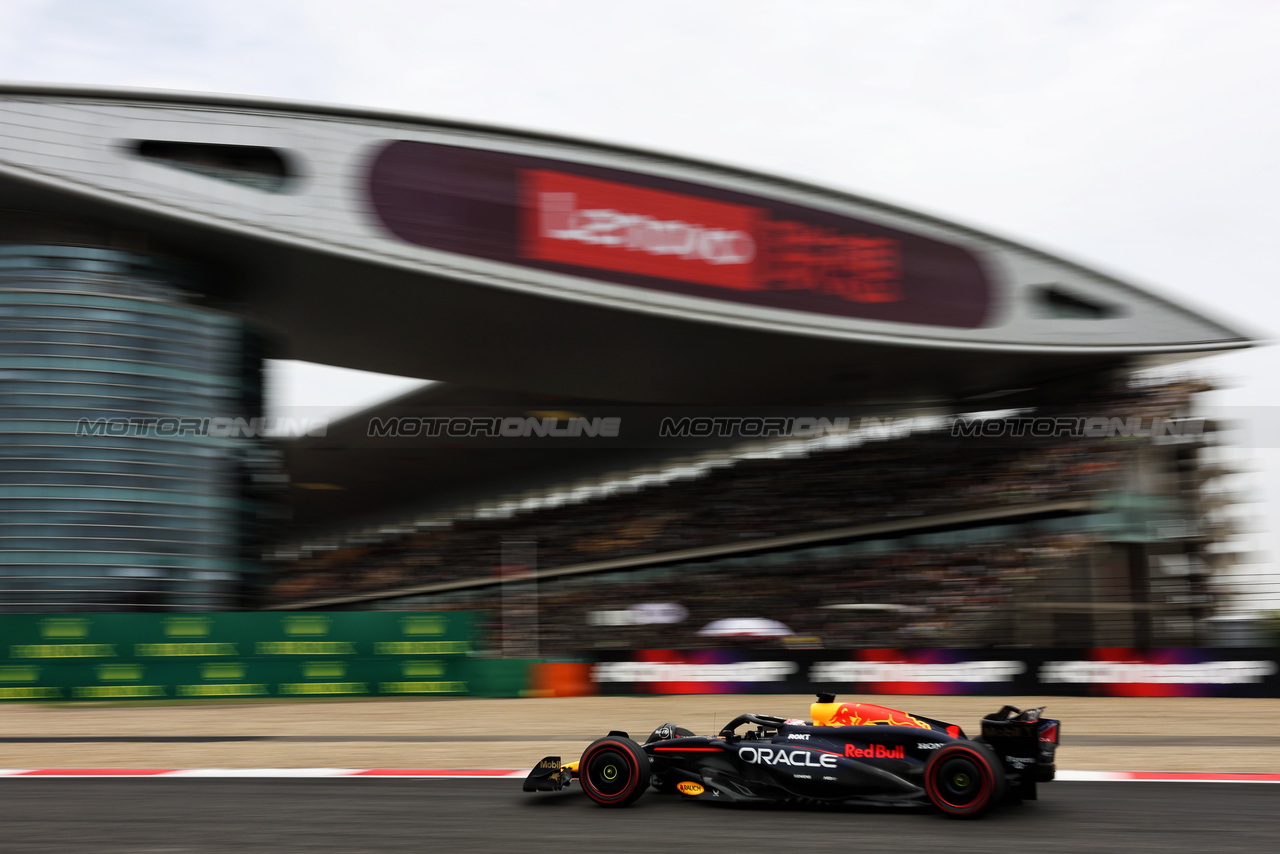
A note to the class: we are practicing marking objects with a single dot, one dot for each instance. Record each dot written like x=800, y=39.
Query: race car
x=848, y=753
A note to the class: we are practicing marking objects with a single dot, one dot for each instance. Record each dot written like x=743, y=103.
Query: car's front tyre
x=614, y=771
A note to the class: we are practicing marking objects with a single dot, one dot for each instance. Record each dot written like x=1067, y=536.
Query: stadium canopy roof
x=546, y=265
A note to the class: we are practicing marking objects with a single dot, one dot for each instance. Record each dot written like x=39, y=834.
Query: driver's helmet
x=667, y=732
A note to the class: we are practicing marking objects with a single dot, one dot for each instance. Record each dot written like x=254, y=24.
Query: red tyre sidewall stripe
x=988, y=781
x=596, y=794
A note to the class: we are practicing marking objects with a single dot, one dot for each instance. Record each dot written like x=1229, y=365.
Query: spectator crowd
x=921, y=475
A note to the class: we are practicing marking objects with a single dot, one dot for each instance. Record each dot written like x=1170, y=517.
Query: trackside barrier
x=560, y=679
x=55, y=658
x=246, y=655
x=1174, y=672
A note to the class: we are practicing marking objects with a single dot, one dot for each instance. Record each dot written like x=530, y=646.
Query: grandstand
x=924, y=540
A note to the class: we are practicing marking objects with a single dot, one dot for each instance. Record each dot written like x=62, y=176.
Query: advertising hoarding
x=659, y=234
x=1174, y=672
x=226, y=655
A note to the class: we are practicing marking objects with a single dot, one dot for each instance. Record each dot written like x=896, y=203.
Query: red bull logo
x=875, y=751
x=868, y=714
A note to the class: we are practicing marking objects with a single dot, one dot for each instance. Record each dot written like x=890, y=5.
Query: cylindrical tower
x=129, y=460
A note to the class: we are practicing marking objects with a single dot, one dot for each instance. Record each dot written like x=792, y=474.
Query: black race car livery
x=848, y=753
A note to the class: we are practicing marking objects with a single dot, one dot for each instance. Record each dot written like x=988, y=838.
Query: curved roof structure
x=535, y=263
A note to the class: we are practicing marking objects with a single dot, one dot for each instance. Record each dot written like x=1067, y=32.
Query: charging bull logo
x=869, y=714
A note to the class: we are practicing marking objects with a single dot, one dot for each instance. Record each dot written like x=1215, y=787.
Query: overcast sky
x=1138, y=137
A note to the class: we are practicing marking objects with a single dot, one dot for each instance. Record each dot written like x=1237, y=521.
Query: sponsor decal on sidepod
x=875, y=751
x=772, y=756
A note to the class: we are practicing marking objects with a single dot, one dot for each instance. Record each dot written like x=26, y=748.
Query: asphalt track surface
x=188, y=816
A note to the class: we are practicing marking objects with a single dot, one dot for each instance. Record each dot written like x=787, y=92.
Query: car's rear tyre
x=963, y=780
x=614, y=771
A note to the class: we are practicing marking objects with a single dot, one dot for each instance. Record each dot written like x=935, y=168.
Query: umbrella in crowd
x=746, y=627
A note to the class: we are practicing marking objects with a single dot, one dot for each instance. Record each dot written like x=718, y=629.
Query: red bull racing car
x=849, y=753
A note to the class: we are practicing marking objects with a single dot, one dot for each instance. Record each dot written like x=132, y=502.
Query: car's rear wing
x=1024, y=741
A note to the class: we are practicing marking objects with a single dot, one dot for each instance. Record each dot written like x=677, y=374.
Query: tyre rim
x=959, y=779
x=610, y=773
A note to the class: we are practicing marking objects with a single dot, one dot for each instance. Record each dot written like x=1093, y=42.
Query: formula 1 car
x=849, y=753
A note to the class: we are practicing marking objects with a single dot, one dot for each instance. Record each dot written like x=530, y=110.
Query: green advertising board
x=227, y=655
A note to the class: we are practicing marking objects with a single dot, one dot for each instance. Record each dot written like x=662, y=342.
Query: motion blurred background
x=1136, y=139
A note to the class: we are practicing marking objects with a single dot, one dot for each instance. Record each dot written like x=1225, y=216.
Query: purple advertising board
x=1171, y=672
